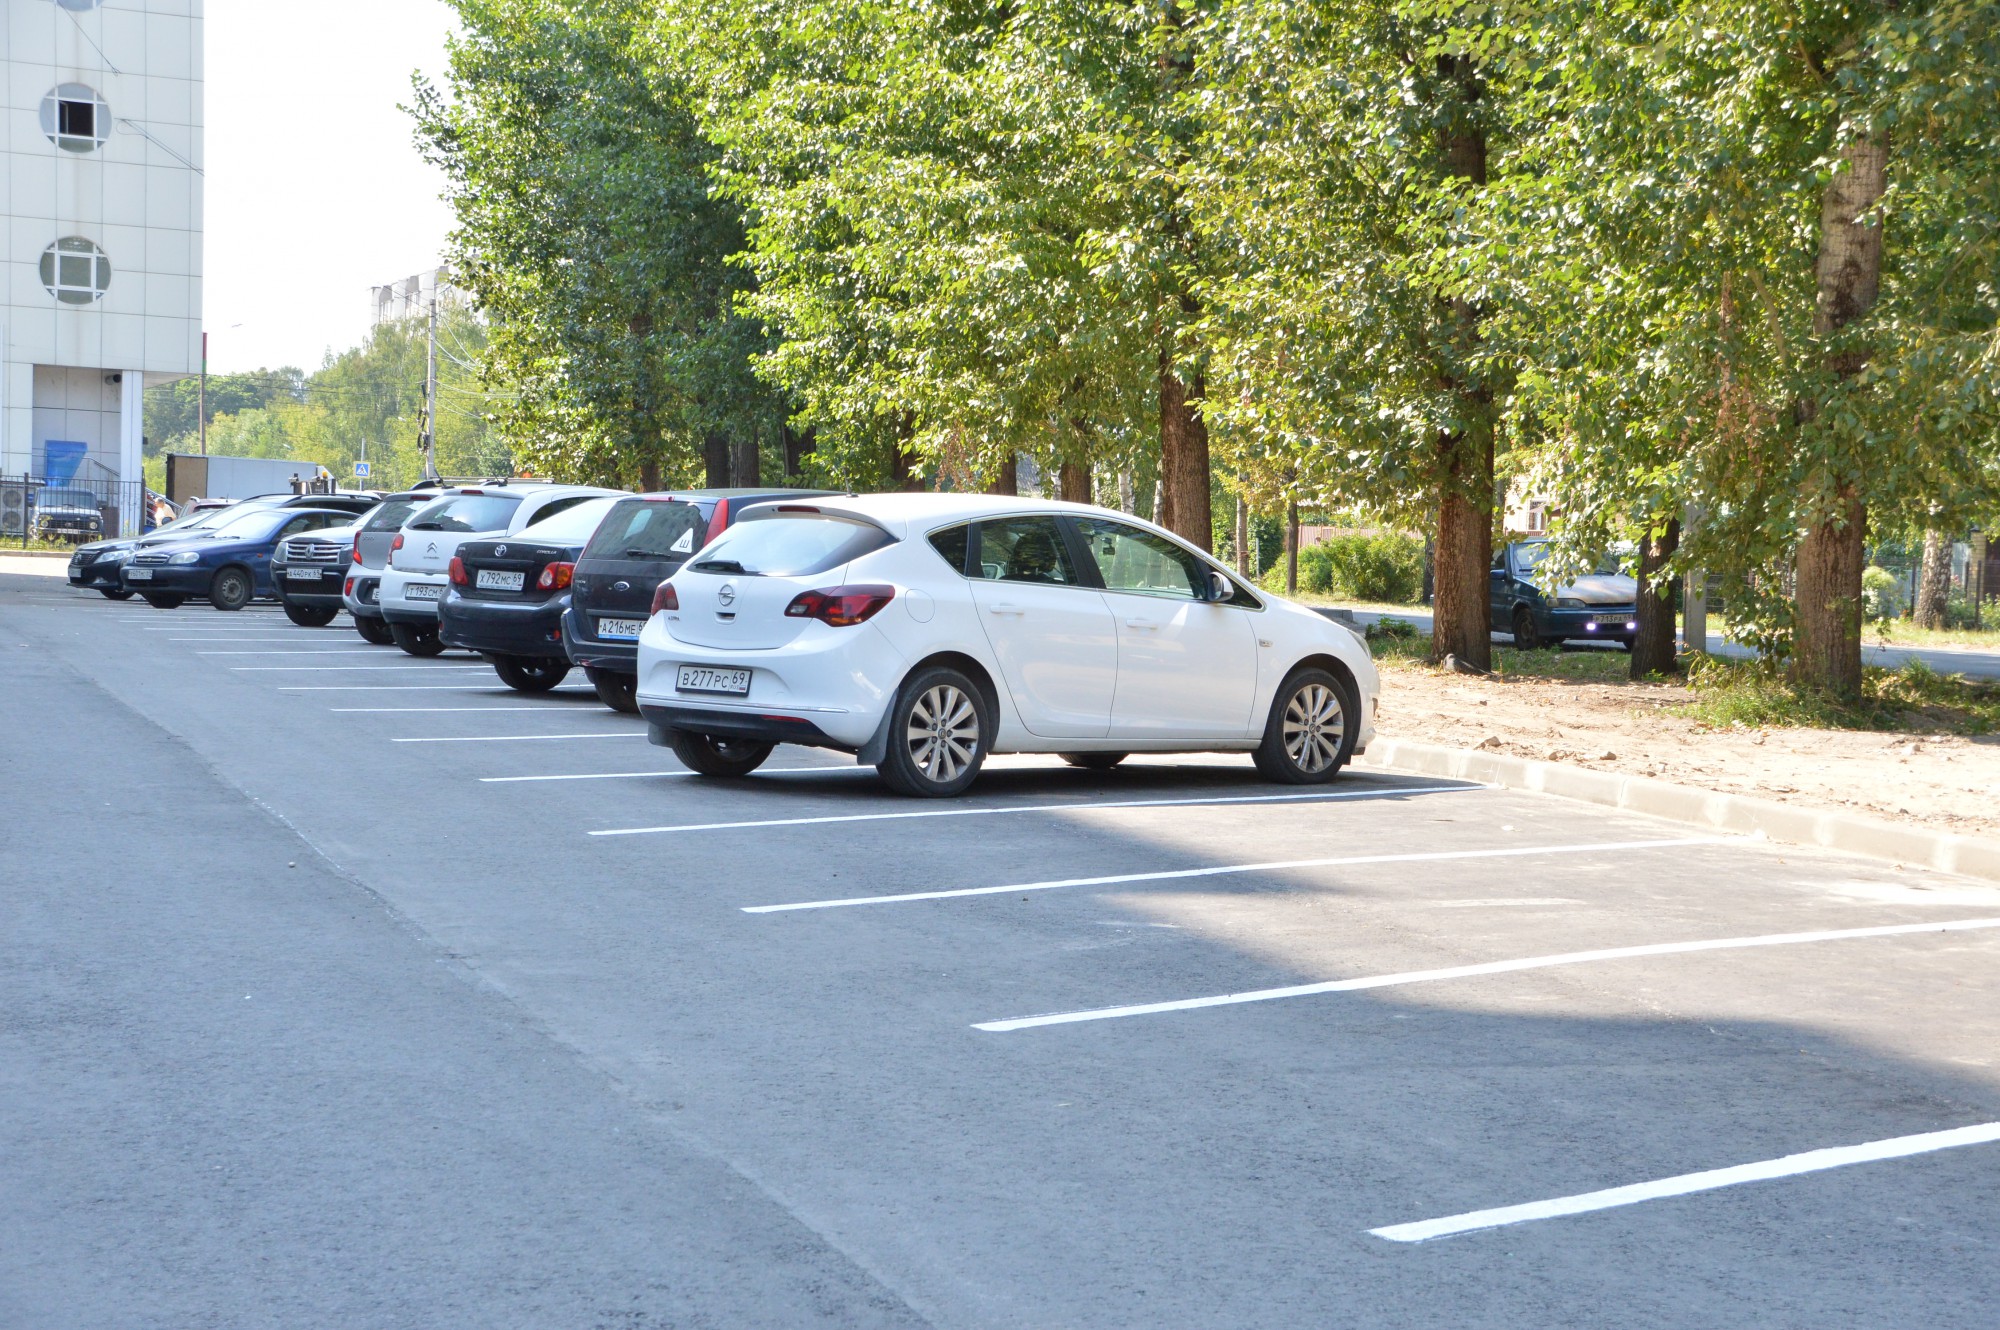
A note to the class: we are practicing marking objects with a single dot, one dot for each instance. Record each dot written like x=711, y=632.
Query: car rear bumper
x=502, y=629
x=394, y=603
x=835, y=682
x=592, y=654
x=358, y=592
x=729, y=723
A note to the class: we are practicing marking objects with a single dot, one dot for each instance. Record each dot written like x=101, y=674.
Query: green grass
x=13, y=545
x=1750, y=694
x=1398, y=642
x=1898, y=633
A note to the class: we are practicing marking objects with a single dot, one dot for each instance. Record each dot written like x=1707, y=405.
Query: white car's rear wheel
x=1310, y=734
x=939, y=732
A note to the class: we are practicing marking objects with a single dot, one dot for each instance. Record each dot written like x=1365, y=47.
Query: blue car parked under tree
x=228, y=565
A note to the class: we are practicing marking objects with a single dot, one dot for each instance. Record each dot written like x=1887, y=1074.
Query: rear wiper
x=426, y=526
x=638, y=554
x=721, y=566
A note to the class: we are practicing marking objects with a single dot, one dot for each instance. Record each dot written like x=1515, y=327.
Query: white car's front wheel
x=1311, y=730
x=939, y=731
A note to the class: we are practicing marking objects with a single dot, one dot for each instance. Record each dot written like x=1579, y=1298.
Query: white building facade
x=102, y=209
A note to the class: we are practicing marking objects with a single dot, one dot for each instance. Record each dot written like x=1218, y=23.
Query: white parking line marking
x=1273, y=866
x=1812, y=1161
x=467, y=687
x=227, y=638
x=635, y=775
x=1489, y=967
x=515, y=738
x=1189, y=801
x=311, y=669
x=308, y=651
x=351, y=711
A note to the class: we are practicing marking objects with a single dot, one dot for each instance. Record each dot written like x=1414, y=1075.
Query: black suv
x=642, y=542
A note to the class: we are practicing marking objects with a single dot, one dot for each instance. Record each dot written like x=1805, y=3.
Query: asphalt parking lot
x=342, y=988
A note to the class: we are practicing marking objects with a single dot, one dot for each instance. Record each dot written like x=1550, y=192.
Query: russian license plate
x=489, y=580
x=701, y=679
x=302, y=574
x=139, y=574
x=628, y=629
x=422, y=591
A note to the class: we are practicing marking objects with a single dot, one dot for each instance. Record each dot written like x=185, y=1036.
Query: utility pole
x=431, y=394
x=201, y=398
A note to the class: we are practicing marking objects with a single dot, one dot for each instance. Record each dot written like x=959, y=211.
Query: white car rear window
x=789, y=546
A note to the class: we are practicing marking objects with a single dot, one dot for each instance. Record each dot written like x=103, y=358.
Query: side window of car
x=1024, y=549
x=554, y=506
x=1129, y=559
x=295, y=526
x=953, y=544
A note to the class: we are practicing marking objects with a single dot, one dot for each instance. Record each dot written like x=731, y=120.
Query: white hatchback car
x=419, y=566
x=922, y=632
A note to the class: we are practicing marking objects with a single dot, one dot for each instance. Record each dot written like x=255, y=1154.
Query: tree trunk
x=1073, y=482
x=1827, y=611
x=1183, y=462
x=1243, y=538
x=1653, y=648
x=1934, y=582
x=1292, y=547
x=1126, y=502
x=799, y=445
x=649, y=475
x=715, y=461
x=1006, y=477
x=1462, y=553
x=744, y=464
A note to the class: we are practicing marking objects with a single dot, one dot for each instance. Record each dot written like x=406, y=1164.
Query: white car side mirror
x=1220, y=589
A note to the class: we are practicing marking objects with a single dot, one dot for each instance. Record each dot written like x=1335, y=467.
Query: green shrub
x=1386, y=568
x=1881, y=593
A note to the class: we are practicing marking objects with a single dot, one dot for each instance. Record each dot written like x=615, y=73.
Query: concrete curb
x=1967, y=856
x=33, y=554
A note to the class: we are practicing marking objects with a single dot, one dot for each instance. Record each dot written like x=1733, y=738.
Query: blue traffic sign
x=361, y=468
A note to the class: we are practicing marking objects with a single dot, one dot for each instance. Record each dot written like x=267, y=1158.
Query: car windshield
x=1531, y=555
x=392, y=513
x=467, y=512
x=571, y=526
x=67, y=499
x=648, y=529
x=788, y=546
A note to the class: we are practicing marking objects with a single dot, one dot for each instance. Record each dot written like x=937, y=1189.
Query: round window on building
x=75, y=118
x=76, y=271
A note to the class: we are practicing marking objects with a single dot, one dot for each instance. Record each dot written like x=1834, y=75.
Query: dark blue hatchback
x=228, y=565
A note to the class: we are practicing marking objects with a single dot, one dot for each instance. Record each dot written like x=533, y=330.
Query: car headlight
x=185, y=556
x=1568, y=603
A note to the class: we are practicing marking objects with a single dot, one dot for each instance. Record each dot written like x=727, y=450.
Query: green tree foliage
x=589, y=236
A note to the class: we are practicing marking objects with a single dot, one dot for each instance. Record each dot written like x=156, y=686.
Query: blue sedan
x=229, y=565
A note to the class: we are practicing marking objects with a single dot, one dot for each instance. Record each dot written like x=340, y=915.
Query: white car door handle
x=1005, y=607
x=1141, y=623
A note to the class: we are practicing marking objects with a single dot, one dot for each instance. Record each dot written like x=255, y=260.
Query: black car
x=507, y=594
x=96, y=566
x=642, y=542
x=228, y=565
x=308, y=571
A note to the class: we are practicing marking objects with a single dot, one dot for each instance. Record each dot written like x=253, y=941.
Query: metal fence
x=37, y=509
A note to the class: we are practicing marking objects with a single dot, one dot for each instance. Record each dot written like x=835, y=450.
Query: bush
x=1385, y=568
x=1881, y=593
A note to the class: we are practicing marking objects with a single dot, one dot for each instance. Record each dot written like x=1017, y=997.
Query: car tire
x=163, y=600
x=1094, y=761
x=375, y=632
x=939, y=730
x=417, y=639
x=231, y=589
x=616, y=689
x=713, y=755
x=1525, y=635
x=310, y=616
x=1310, y=734
x=110, y=593
x=527, y=674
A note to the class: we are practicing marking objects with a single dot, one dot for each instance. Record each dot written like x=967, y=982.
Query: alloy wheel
x=1314, y=727
x=942, y=733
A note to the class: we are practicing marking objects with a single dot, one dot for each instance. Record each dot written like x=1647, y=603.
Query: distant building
x=103, y=206
x=411, y=297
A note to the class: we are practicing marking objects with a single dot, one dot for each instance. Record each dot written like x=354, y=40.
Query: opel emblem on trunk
x=499, y=551
x=727, y=595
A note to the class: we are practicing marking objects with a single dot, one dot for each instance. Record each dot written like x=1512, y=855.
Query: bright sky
x=315, y=189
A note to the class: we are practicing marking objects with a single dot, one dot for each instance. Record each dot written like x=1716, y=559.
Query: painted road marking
x=1184, y=802
x=515, y=738
x=1812, y=1161
x=296, y=651
x=353, y=711
x=635, y=775
x=317, y=669
x=473, y=689
x=1224, y=870
x=1489, y=967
